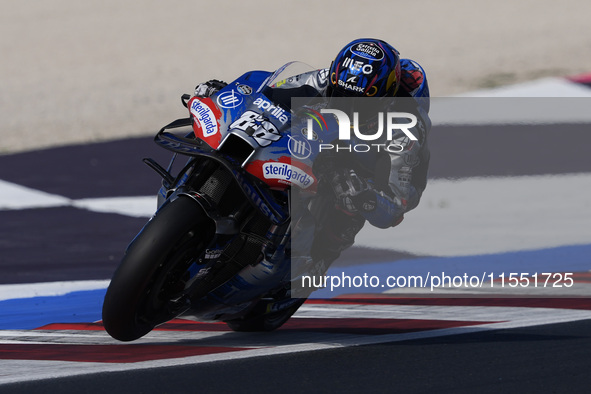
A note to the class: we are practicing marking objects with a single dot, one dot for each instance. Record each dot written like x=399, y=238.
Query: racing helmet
x=365, y=67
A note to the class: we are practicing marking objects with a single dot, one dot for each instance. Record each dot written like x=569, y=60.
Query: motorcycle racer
x=259, y=205
x=364, y=68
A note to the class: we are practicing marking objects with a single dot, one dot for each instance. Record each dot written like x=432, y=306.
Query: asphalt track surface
x=536, y=358
x=542, y=359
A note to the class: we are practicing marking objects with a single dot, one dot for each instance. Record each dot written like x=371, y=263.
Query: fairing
x=241, y=119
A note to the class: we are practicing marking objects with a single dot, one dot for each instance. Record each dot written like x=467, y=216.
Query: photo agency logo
x=390, y=131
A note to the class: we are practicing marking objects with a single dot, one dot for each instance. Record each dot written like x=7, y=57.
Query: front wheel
x=153, y=271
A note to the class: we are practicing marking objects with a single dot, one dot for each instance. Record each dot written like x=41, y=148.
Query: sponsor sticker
x=309, y=133
x=275, y=111
x=299, y=148
x=230, y=99
x=286, y=173
x=244, y=89
x=368, y=50
x=205, y=117
x=356, y=66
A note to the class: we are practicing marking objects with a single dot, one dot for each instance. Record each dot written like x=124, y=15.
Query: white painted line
x=48, y=289
x=13, y=196
x=16, y=371
x=435, y=312
x=142, y=206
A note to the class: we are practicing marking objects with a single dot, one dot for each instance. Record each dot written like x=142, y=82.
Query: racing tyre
x=147, y=287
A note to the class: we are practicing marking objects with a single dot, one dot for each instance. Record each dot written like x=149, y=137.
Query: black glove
x=208, y=88
x=353, y=193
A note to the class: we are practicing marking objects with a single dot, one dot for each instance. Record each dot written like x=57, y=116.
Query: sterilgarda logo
x=205, y=117
x=286, y=173
x=402, y=121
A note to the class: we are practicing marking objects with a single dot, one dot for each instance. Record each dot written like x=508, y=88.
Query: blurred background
x=74, y=71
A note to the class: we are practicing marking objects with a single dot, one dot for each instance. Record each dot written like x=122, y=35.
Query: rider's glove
x=353, y=193
x=208, y=88
x=357, y=196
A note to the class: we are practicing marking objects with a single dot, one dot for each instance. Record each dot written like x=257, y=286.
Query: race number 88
x=258, y=127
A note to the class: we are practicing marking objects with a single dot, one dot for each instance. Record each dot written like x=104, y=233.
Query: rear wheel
x=147, y=288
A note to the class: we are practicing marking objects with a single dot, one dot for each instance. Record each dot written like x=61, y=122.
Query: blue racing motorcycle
x=218, y=246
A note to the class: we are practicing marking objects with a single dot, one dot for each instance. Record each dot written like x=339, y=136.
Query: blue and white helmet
x=365, y=67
